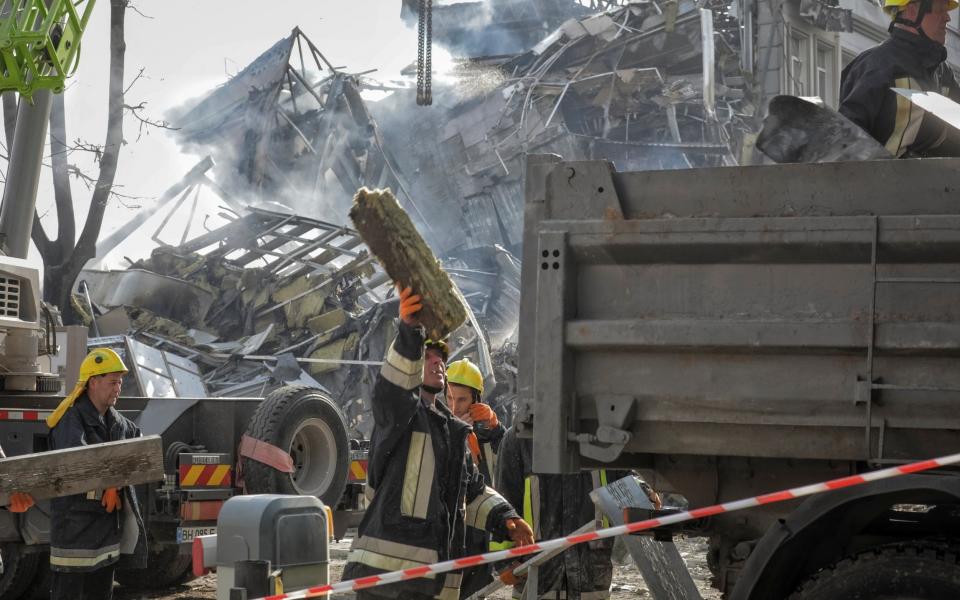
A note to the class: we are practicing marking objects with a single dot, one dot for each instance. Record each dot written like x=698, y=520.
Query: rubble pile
x=291, y=295
x=631, y=85
x=273, y=298
x=292, y=128
x=266, y=300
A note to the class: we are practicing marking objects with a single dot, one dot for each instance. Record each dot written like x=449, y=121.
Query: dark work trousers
x=92, y=585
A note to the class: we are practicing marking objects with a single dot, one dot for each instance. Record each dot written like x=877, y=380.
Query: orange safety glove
x=20, y=502
x=410, y=305
x=111, y=499
x=482, y=413
x=474, y=444
x=519, y=532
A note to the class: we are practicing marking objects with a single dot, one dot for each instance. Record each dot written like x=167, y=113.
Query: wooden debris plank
x=82, y=469
x=390, y=234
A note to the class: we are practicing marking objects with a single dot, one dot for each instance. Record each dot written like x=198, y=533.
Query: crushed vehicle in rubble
x=737, y=331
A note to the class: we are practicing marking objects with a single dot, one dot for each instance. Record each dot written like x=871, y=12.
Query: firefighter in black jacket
x=914, y=58
x=89, y=532
x=464, y=397
x=555, y=506
x=425, y=488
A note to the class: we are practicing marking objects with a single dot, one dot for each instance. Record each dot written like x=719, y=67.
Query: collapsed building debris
x=630, y=85
x=268, y=299
x=293, y=128
x=271, y=297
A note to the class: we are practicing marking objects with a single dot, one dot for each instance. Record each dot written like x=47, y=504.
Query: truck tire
x=914, y=570
x=306, y=424
x=19, y=569
x=166, y=568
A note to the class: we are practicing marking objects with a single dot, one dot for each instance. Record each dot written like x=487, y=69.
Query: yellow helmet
x=892, y=7
x=100, y=361
x=466, y=373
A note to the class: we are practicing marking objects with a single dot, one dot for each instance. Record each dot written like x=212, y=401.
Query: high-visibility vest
x=531, y=507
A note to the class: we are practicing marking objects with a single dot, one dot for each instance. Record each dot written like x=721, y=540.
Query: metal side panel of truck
x=735, y=331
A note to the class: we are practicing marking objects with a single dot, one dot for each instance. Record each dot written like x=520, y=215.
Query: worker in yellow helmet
x=464, y=397
x=913, y=57
x=89, y=532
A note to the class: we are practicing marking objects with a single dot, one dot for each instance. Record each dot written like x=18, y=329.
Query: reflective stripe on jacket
x=904, y=60
x=422, y=481
x=83, y=535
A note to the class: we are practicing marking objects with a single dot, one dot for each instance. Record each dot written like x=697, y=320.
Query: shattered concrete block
x=390, y=234
x=327, y=321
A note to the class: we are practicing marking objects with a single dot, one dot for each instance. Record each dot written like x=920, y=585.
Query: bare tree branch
x=138, y=11
x=146, y=122
x=135, y=80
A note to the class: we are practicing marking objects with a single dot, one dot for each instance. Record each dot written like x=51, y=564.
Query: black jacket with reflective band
x=905, y=60
x=424, y=485
x=83, y=535
x=478, y=540
x=555, y=506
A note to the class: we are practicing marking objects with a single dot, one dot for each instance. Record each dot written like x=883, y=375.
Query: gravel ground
x=627, y=581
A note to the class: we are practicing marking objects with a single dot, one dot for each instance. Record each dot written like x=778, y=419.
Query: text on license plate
x=186, y=534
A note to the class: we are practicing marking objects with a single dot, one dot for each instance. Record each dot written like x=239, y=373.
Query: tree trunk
x=63, y=260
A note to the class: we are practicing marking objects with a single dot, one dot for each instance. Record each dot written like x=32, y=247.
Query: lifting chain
x=424, y=54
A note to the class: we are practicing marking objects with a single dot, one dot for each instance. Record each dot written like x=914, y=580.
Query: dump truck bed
x=783, y=312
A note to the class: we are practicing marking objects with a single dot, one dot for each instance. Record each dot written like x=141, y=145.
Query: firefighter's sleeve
x=395, y=393
x=495, y=438
x=863, y=91
x=486, y=508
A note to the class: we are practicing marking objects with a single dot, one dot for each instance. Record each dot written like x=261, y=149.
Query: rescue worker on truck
x=425, y=488
x=912, y=57
x=464, y=397
x=555, y=506
x=89, y=532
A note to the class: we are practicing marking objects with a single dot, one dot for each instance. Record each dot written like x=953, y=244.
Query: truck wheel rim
x=314, y=451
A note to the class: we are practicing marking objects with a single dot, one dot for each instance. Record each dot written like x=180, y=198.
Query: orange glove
x=519, y=532
x=410, y=305
x=474, y=444
x=482, y=413
x=20, y=502
x=111, y=500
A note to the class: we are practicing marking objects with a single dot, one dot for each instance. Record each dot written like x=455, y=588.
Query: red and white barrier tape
x=563, y=543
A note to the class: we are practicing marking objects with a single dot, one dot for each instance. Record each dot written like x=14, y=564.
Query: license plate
x=186, y=534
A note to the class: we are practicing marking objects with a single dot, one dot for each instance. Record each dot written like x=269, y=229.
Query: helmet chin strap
x=923, y=10
x=431, y=389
